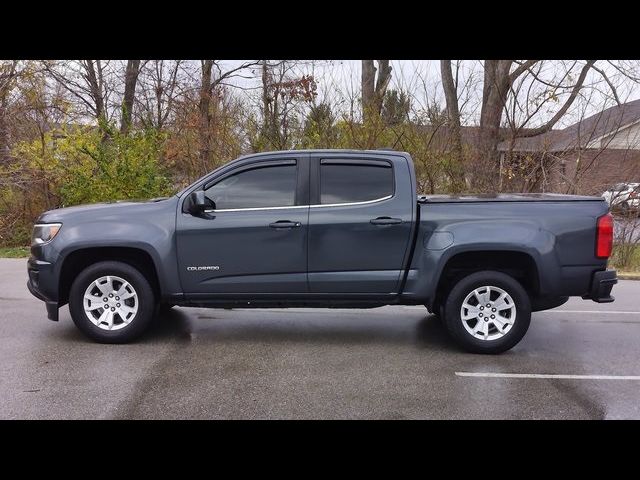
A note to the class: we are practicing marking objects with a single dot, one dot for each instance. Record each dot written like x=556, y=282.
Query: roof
x=603, y=123
x=582, y=133
x=471, y=136
x=379, y=151
x=545, y=142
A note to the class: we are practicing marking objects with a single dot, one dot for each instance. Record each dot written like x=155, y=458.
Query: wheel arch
x=516, y=263
x=79, y=259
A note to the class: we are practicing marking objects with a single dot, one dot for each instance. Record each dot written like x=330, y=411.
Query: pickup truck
x=323, y=228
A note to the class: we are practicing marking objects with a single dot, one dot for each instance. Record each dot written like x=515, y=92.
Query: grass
x=628, y=275
x=14, y=252
x=632, y=252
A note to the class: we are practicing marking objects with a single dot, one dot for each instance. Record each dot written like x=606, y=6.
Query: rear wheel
x=487, y=312
x=111, y=302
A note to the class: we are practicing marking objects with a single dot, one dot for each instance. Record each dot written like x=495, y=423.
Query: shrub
x=71, y=167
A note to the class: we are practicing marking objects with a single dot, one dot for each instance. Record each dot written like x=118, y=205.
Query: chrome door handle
x=285, y=224
x=386, y=221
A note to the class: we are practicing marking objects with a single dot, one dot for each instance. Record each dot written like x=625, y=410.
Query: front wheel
x=487, y=312
x=111, y=302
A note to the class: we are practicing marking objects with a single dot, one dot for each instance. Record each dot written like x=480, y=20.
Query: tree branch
x=520, y=69
x=574, y=93
x=611, y=86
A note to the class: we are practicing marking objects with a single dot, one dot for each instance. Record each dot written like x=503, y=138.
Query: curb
x=628, y=276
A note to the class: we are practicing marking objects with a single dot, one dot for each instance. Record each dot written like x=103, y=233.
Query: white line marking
x=546, y=375
x=590, y=311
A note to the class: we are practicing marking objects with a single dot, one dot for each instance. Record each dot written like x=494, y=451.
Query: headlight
x=44, y=232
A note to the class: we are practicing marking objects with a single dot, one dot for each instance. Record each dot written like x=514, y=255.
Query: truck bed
x=559, y=239
x=507, y=197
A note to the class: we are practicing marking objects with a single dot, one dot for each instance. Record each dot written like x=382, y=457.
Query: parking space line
x=547, y=375
x=616, y=312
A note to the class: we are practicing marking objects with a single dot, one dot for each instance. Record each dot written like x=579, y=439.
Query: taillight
x=604, y=236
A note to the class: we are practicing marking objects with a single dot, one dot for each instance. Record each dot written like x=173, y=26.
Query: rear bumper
x=601, y=285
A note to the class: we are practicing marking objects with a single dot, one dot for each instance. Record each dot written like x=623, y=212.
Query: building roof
x=582, y=133
x=545, y=142
x=604, y=123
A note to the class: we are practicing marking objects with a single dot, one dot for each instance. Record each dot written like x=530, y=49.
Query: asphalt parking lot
x=580, y=361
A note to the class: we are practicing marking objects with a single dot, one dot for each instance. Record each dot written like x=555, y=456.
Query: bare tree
x=87, y=82
x=499, y=77
x=212, y=76
x=8, y=74
x=374, y=89
x=130, y=81
x=498, y=86
x=450, y=87
x=160, y=84
x=284, y=89
x=205, y=111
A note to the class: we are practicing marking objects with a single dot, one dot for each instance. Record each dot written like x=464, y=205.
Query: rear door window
x=352, y=181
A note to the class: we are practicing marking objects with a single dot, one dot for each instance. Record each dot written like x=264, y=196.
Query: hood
x=107, y=210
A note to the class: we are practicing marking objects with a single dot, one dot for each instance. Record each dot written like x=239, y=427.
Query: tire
x=163, y=308
x=487, y=337
x=437, y=312
x=138, y=307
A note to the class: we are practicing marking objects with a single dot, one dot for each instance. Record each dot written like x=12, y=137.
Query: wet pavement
x=384, y=363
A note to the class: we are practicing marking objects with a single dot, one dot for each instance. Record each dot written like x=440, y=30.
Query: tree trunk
x=130, y=81
x=6, y=85
x=205, y=114
x=453, y=116
x=368, y=88
x=95, y=90
x=271, y=131
x=453, y=111
x=384, y=77
x=494, y=98
x=5, y=150
x=373, y=90
x=265, y=98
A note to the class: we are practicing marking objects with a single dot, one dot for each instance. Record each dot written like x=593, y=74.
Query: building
x=586, y=157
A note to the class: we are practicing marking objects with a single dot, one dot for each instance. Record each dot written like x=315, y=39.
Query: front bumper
x=52, y=307
x=39, y=274
x=601, y=285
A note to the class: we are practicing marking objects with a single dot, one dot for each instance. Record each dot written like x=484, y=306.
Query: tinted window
x=343, y=183
x=260, y=187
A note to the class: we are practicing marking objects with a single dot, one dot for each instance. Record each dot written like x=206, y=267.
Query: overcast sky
x=421, y=78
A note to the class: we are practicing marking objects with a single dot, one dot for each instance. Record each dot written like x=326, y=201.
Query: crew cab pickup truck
x=323, y=228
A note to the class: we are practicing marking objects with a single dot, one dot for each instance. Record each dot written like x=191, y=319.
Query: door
x=254, y=240
x=359, y=224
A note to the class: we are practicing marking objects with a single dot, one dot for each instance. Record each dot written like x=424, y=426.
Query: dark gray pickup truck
x=323, y=228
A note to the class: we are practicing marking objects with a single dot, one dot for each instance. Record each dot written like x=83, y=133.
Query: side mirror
x=198, y=202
